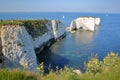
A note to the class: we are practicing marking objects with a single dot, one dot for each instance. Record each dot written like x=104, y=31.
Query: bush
x=94, y=66
x=111, y=59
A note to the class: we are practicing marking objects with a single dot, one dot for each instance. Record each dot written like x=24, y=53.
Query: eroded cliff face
x=58, y=29
x=17, y=48
x=18, y=45
x=55, y=28
x=1, y=54
x=85, y=23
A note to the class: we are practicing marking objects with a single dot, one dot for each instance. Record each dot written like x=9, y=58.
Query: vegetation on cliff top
x=108, y=69
x=34, y=27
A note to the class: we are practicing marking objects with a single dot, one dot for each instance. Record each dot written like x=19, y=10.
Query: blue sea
x=78, y=47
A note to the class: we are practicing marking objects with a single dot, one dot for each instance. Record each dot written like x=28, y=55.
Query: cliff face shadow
x=1, y=54
x=51, y=59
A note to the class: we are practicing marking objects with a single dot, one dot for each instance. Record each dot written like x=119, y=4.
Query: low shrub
x=94, y=66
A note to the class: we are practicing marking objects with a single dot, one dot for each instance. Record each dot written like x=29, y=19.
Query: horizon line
x=57, y=12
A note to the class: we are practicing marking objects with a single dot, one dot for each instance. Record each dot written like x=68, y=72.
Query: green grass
x=113, y=74
x=109, y=72
x=34, y=27
x=17, y=75
x=11, y=22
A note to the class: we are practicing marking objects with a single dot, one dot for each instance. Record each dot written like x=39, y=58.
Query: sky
x=98, y=6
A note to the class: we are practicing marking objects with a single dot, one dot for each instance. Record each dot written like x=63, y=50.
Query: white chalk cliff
x=58, y=28
x=55, y=30
x=18, y=46
x=86, y=23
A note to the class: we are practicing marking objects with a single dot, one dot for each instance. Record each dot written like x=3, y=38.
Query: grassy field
x=108, y=69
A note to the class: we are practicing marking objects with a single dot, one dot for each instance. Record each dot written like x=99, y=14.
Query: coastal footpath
x=84, y=23
x=21, y=40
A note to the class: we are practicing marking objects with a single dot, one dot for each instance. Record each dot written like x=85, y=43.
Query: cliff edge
x=20, y=39
x=17, y=48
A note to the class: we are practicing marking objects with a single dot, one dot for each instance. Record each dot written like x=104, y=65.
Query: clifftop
x=32, y=26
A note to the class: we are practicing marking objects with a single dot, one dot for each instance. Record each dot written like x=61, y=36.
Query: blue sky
x=102, y=6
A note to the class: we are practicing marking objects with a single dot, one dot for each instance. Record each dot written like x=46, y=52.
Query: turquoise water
x=78, y=47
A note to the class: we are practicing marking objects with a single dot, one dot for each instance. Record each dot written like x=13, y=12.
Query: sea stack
x=84, y=23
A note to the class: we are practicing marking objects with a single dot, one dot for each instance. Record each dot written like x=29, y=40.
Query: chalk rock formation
x=86, y=23
x=97, y=21
x=40, y=40
x=19, y=45
x=58, y=29
x=17, y=48
x=43, y=39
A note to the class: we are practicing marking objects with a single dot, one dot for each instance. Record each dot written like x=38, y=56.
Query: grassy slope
x=67, y=74
x=17, y=75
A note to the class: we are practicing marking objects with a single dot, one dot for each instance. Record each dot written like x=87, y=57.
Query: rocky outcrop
x=85, y=23
x=77, y=71
x=58, y=29
x=97, y=21
x=19, y=46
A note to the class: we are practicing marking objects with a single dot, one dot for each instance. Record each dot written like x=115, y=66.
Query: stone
x=77, y=71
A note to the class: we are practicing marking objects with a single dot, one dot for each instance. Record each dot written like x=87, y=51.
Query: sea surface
x=78, y=47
